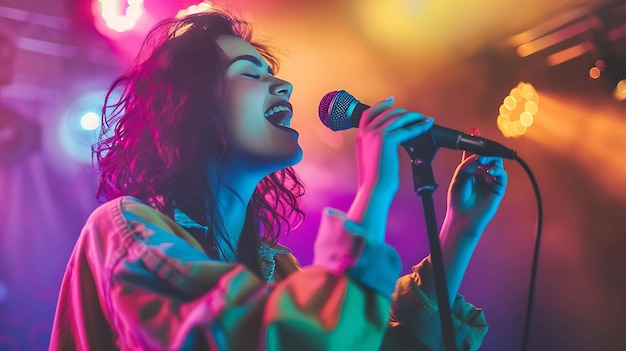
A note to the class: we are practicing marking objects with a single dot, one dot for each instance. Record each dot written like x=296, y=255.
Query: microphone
x=339, y=110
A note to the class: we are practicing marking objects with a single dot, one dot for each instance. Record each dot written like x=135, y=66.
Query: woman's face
x=257, y=107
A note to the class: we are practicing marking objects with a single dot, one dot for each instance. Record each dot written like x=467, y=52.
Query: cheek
x=239, y=110
x=247, y=129
x=247, y=118
x=243, y=110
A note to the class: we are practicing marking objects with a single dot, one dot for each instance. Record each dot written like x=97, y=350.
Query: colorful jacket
x=138, y=280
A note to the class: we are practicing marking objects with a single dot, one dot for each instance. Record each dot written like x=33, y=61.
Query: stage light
x=620, y=90
x=526, y=119
x=594, y=72
x=531, y=107
x=111, y=13
x=610, y=72
x=518, y=110
x=90, y=121
x=505, y=111
x=615, y=75
x=510, y=102
x=201, y=7
x=79, y=126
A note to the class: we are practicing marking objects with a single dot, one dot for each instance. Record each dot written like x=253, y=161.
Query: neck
x=232, y=196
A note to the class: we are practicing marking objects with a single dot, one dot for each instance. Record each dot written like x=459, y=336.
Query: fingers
x=493, y=173
x=375, y=110
x=382, y=115
x=488, y=168
x=499, y=176
x=396, y=118
x=470, y=163
x=413, y=130
x=466, y=154
x=399, y=123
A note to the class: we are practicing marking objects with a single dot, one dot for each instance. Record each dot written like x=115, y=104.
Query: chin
x=293, y=158
x=298, y=156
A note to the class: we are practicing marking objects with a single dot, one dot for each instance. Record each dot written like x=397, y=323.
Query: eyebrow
x=255, y=60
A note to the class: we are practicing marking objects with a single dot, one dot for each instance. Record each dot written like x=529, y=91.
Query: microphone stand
x=422, y=151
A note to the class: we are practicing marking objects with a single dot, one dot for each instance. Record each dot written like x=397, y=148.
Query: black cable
x=533, y=273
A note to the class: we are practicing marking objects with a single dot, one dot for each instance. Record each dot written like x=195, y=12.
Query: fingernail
x=389, y=98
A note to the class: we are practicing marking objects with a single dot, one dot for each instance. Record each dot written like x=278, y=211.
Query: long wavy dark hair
x=162, y=124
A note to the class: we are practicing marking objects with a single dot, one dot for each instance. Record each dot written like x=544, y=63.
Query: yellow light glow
x=502, y=120
x=525, y=50
x=534, y=98
x=526, y=119
x=504, y=111
x=568, y=54
x=620, y=90
x=509, y=131
x=432, y=31
x=589, y=133
x=510, y=102
x=516, y=93
x=517, y=110
x=527, y=91
x=505, y=133
x=393, y=23
x=519, y=128
x=531, y=107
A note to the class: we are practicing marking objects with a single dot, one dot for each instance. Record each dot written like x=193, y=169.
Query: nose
x=281, y=87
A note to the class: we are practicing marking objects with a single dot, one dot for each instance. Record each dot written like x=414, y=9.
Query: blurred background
x=545, y=78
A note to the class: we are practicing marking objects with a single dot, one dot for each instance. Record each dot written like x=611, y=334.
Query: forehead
x=233, y=46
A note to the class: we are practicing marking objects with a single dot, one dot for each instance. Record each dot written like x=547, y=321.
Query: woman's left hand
x=476, y=191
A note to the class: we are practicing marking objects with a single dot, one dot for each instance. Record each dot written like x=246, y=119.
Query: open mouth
x=279, y=114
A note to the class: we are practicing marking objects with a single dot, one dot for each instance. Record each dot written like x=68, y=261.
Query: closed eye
x=251, y=75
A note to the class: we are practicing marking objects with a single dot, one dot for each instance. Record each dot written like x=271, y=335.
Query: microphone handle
x=453, y=139
x=446, y=137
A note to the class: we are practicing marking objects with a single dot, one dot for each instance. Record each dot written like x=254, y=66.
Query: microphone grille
x=333, y=110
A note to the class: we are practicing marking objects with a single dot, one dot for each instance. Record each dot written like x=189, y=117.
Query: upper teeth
x=276, y=109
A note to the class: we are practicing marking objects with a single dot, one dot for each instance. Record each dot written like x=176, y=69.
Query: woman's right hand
x=382, y=130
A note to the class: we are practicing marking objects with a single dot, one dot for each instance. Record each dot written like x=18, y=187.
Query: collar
x=267, y=251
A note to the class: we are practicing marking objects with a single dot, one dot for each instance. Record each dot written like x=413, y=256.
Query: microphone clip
x=422, y=151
